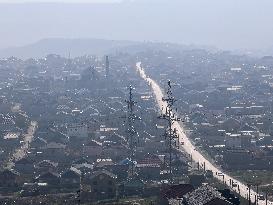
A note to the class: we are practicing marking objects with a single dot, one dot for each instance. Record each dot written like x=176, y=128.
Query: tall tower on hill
x=107, y=65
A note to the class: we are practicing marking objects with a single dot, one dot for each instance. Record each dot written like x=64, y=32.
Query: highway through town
x=190, y=148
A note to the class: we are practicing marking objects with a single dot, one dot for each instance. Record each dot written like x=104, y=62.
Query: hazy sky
x=228, y=24
x=62, y=1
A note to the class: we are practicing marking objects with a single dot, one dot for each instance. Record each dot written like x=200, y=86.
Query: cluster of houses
x=226, y=101
x=81, y=146
x=186, y=194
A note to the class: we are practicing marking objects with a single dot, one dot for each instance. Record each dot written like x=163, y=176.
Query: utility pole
x=266, y=193
x=79, y=197
x=257, y=191
x=171, y=133
x=131, y=130
x=249, y=198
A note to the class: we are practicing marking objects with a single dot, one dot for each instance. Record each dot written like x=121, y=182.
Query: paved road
x=191, y=149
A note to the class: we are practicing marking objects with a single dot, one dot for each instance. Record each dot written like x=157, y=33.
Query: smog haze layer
x=229, y=24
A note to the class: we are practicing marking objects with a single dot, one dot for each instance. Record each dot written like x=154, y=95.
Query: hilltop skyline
x=207, y=22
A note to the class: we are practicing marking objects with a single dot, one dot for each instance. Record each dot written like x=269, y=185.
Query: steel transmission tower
x=131, y=138
x=171, y=135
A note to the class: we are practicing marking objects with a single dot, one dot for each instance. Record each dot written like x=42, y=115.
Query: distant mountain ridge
x=80, y=47
x=63, y=46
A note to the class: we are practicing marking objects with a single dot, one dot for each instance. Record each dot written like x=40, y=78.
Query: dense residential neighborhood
x=88, y=129
x=136, y=102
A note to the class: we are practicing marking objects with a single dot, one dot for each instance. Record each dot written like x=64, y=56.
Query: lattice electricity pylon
x=131, y=138
x=171, y=135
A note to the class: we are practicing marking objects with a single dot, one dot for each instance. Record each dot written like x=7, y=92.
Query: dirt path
x=21, y=152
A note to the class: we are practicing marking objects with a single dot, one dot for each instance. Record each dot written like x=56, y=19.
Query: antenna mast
x=107, y=66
